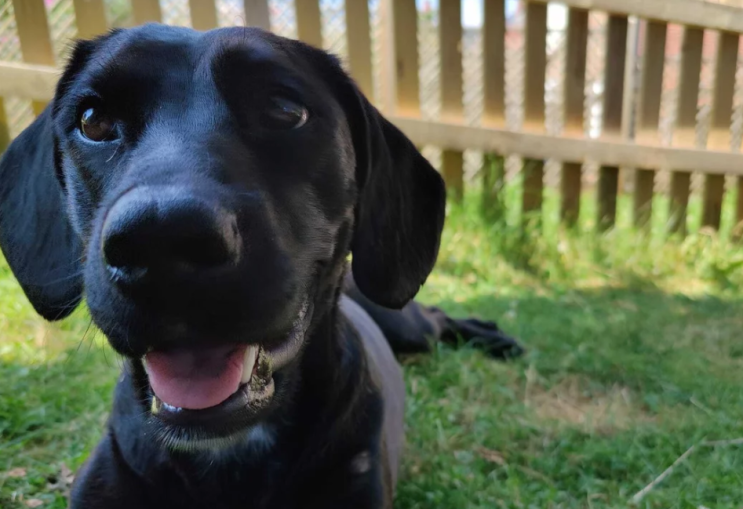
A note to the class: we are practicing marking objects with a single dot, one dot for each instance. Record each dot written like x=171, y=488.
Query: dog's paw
x=488, y=337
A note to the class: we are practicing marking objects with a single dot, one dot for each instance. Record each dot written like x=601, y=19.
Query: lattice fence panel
x=119, y=13
x=283, y=18
x=333, y=15
x=176, y=12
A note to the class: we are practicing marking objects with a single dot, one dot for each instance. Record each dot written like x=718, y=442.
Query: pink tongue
x=195, y=378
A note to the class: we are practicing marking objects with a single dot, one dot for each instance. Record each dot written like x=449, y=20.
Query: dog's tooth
x=251, y=354
x=156, y=405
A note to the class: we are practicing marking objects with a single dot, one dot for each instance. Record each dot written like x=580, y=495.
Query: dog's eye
x=97, y=126
x=283, y=113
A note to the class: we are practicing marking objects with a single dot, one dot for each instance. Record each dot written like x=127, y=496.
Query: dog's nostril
x=148, y=235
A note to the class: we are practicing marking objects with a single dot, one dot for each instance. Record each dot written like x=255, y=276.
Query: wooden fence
x=630, y=111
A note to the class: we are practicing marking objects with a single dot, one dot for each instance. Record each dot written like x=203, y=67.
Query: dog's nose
x=153, y=231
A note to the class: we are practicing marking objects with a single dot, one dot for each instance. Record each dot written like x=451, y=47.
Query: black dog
x=205, y=191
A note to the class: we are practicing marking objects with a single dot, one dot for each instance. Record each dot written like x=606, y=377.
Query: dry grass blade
x=713, y=443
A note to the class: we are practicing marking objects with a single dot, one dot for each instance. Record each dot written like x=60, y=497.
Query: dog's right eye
x=282, y=113
x=97, y=126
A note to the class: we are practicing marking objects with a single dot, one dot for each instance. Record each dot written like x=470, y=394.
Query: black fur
x=287, y=207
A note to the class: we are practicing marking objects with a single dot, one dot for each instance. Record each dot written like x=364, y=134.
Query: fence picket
x=450, y=35
x=90, y=18
x=494, y=72
x=535, y=56
x=719, y=135
x=648, y=116
x=405, y=50
x=714, y=190
x=203, y=14
x=309, y=22
x=33, y=34
x=738, y=229
x=146, y=11
x=4, y=127
x=680, y=186
x=400, y=93
x=616, y=51
x=573, y=105
x=359, y=44
x=684, y=134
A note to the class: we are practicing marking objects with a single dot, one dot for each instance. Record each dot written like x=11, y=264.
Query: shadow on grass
x=617, y=383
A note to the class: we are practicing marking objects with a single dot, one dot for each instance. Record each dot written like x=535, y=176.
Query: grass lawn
x=635, y=354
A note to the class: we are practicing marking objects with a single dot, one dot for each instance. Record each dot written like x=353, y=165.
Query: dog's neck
x=325, y=388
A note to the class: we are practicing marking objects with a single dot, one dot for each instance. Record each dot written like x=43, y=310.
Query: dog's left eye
x=283, y=113
x=97, y=126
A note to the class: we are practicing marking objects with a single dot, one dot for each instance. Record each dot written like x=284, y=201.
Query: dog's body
x=335, y=448
x=205, y=190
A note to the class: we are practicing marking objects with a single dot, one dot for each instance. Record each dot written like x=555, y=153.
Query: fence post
x=535, y=63
x=616, y=52
x=726, y=62
x=203, y=14
x=256, y=14
x=33, y=34
x=450, y=37
x=573, y=104
x=686, y=119
x=648, y=116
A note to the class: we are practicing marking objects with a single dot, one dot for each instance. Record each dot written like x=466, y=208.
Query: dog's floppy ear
x=35, y=235
x=400, y=212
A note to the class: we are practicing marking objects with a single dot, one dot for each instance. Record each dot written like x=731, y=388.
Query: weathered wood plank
x=33, y=34
x=90, y=18
x=452, y=110
x=4, y=128
x=494, y=72
x=714, y=190
x=309, y=22
x=257, y=14
x=541, y=146
x=570, y=187
x=616, y=51
x=535, y=64
x=684, y=134
x=573, y=105
x=494, y=62
x=28, y=81
x=648, y=116
x=683, y=12
x=719, y=138
x=405, y=44
x=680, y=188
x=146, y=11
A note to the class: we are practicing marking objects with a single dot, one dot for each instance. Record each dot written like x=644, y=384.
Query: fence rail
x=636, y=56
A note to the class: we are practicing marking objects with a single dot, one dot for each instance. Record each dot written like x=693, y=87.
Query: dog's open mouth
x=219, y=389
x=202, y=378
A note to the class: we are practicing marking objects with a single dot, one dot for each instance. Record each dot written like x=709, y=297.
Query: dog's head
x=204, y=191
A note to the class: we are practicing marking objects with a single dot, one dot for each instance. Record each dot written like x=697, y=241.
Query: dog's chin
x=182, y=421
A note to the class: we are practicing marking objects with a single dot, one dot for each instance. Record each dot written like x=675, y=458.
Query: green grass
x=635, y=353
